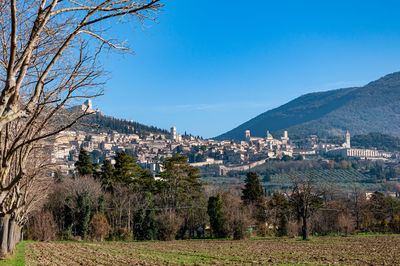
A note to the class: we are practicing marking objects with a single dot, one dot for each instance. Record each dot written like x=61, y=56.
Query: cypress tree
x=83, y=215
x=84, y=165
x=107, y=174
x=253, y=190
x=217, y=220
x=68, y=213
x=100, y=208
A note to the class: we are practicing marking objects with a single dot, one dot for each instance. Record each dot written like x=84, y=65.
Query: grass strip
x=18, y=258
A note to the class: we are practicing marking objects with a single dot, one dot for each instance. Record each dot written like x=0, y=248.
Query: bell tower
x=348, y=145
x=247, y=135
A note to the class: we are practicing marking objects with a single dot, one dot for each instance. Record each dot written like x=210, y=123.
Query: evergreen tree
x=267, y=177
x=145, y=222
x=282, y=229
x=125, y=168
x=146, y=182
x=68, y=213
x=96, y=170
x=253, y=190
x=215, y=212
x=182, y=184
x=100, y=209
x=182, y=188
x=83, y=215
x=107, y=174
x=390, y=173
x=84, y=165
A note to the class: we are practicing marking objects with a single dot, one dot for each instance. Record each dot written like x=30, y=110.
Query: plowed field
x=374, y=250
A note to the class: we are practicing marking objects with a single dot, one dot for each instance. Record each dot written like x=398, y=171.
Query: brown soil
x=375, y=250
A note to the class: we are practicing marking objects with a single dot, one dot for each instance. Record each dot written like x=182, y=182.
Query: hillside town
x=313, y=146
x=150, y=150
x=222, y=156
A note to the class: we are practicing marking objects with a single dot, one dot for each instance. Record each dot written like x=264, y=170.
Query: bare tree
x=120, y=205
x=29, y=195
x=358, y=202
x=48, y=63
x=305, y=201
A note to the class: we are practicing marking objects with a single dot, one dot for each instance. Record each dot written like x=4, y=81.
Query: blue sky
x=208, y=66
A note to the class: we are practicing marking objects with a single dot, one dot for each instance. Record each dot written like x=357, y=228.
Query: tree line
x=122, y=201
x=101, y=123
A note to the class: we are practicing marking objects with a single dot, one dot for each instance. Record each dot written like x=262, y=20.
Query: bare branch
x=106, y=42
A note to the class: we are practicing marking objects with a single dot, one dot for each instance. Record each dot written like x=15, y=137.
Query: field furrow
x=377, y=250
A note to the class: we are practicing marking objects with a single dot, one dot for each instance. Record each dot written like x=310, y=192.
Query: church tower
x=347, y=144
x=285, y=138
x=247, y=135
x=173, y=133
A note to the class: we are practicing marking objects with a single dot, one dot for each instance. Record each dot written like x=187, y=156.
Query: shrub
x=240, y=227
x=43, y=227
x=346, y=224
x=145, y=227
x=99, y=227
x=293, y=228
x=120, y=234
x=65, y=235
x=282, y=229
x=395, y=224
x=261, y=229
x=168, y=224
x=325, y=222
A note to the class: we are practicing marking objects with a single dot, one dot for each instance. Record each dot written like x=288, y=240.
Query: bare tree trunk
x=11, y=235
x=357, y=220
x=129, y=215
x=4, y=235
x=17, y=234
x=120, y=217
x=304, y=229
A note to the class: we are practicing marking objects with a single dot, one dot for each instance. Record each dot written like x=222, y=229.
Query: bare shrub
x=99, y=227
x=237, y=221
x=82, y=185
x=325, y=222
x=168, y=224
x=43, y=227
x=346, y=224
x=293, y=228
x=240, y=226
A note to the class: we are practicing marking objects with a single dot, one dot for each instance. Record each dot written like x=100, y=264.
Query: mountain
x=376, y=140
x=374, y=107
